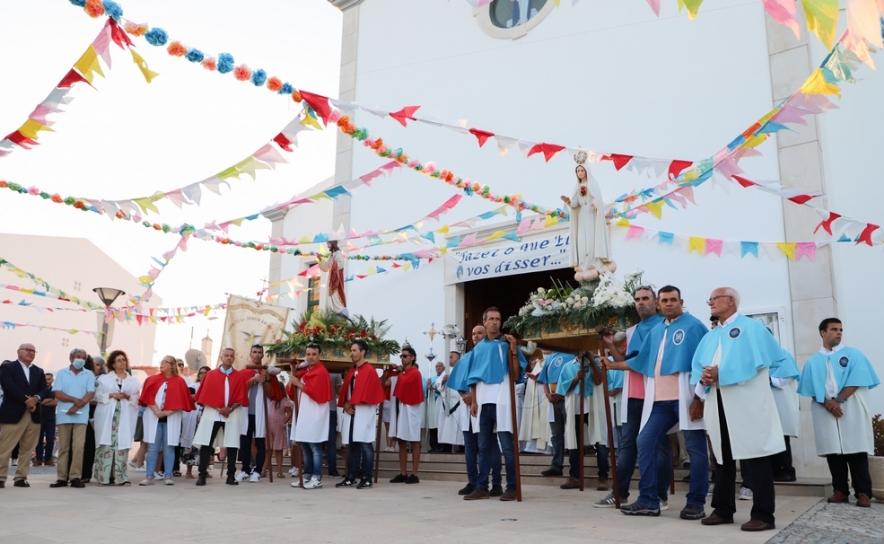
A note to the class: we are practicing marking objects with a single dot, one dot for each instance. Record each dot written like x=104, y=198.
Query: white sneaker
x=664, y=505
x=15, y=462
x=242, y=476
x=255, y=477
x=293, y=472
x=146, y=481
x=142, y=468
x=711, y=489
x=745, y=494
x=313, y=483
x=296, y=483
x=169, y=482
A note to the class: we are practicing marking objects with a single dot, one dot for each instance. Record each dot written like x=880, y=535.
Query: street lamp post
x=107, y=295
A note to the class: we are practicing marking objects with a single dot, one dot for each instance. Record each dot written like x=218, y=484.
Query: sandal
x=125, y=484
x=280, y=475
x=177, y=474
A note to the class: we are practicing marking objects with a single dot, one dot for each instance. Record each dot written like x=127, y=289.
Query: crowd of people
x=728, y=394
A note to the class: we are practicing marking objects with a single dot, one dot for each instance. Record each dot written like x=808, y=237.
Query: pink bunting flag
x=524, y=226
x=634, y=231
x=714, y=246
x=655, y=5
x=450, y=203
x=805, y=249
x=784, y=12
x=688, y=193
x=468, y=240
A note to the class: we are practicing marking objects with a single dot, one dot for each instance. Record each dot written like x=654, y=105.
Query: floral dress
x=276, y=418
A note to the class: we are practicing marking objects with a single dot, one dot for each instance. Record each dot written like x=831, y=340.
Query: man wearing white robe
x=534, y=424
x=450, y=408
x=255, y=425
x=838, y=379
x=221, y=420
x=432, y=411
x=784, y=386
x=730, y=370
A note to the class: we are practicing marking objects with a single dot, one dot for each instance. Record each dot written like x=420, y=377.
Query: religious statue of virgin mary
x=590, y=243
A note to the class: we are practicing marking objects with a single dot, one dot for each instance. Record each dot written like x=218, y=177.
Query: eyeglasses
x=404, y=355
x=180, y=366
x=28, y=350
x=716, y=297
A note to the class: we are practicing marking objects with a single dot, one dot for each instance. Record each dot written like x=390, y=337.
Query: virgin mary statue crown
x=580, y=157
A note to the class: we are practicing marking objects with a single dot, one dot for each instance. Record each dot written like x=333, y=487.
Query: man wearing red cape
x=310, y=429
x=360, y=396
x=222, y=393
x=255, y=424
x=405, y=423
x=166, y=397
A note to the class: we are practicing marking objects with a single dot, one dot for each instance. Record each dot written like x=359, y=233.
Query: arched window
x=511, y=13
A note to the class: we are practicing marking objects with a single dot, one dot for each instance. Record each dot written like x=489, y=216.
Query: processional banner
x=250, y=322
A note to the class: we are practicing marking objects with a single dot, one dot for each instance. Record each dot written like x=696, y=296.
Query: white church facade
x=615, y=78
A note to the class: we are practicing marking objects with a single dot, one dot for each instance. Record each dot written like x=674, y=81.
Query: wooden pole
x=266, y=387
x=297, y=447
x=616, y=488
x=673, y=439
x=515, y=439
x=377, y=450
x=580, y=447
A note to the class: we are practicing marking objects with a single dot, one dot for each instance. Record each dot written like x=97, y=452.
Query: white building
x=611, y=77
x=75, y=266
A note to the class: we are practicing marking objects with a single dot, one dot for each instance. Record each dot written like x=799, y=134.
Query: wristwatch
x=839, y=399
x=697, y=397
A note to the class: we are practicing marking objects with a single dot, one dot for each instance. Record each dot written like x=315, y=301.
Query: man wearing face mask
x=74, y=387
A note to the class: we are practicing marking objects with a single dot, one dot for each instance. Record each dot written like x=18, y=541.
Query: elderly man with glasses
x=23, y=387
x=731, y=372
x=405, y=424
x=74, y=388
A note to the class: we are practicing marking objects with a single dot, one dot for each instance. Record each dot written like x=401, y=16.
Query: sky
x=127, y=138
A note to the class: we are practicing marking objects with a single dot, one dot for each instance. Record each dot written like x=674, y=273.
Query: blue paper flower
x=225, y=63
x=113, y=10
x=156, y=36
x=78, y=3
x=195, y=55
x=287, y=88
x=259, y=77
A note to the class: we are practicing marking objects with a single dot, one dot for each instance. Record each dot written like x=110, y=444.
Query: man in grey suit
x=24, y=387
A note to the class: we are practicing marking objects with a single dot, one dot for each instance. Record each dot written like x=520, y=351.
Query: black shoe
x=784, y=478
x=59, y=483
x=364, y=484
x=346, y=482
x=2, y=484
x=496, y=491
x=551, y=472
x=21, y=483
x=638, y=509
x=467, y=489
x=399, y=479
x=412, y=479
x=77, y=483
x=692, y=512
x=231, y=480
x=201, y=480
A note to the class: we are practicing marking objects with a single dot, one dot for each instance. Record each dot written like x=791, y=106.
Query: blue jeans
x=663, y=416
x=488, y=440
x=557, y=438
x=47, y=432
x=332, y=444
x=628, y=454
x=312, y=453
x=360, y=458
x=160, y=442
x=471, y=456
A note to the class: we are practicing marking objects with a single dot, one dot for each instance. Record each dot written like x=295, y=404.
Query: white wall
x=611, y=77
x=61, y=262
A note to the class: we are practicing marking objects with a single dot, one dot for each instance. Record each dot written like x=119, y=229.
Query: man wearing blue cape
x=495, y=360
x=838, y=379
x=731, y=372
x=665, y=361
x=470, y=426
x=549, y=377
x=633, y=398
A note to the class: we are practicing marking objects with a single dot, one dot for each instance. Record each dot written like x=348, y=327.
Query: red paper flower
x=274, y=84
x=57, y=199
x=78, y=204
x=94, y=8
x=209, y=64
x=176, y=49
x=296, y=96
x=242, y=73
x=3, y=185
x=583, y=190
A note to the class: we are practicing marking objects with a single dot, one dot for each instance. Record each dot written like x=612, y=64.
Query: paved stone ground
x=429, y=512
x=835, y=524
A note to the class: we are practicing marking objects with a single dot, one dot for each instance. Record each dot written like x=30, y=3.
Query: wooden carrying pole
x=296, y=448
x=266, y=388
x=515, y=421
x=377, y=450
x=580, y=447
x=616, y=487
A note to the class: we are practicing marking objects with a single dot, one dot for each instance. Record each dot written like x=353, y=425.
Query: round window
x=511, y=13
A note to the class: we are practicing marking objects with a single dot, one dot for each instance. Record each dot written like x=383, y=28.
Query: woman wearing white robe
x=116, y=411
x=590, y=244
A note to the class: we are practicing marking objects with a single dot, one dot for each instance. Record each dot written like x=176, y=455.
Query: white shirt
x=27, y=372
x=219, y=417
x=700, y=389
